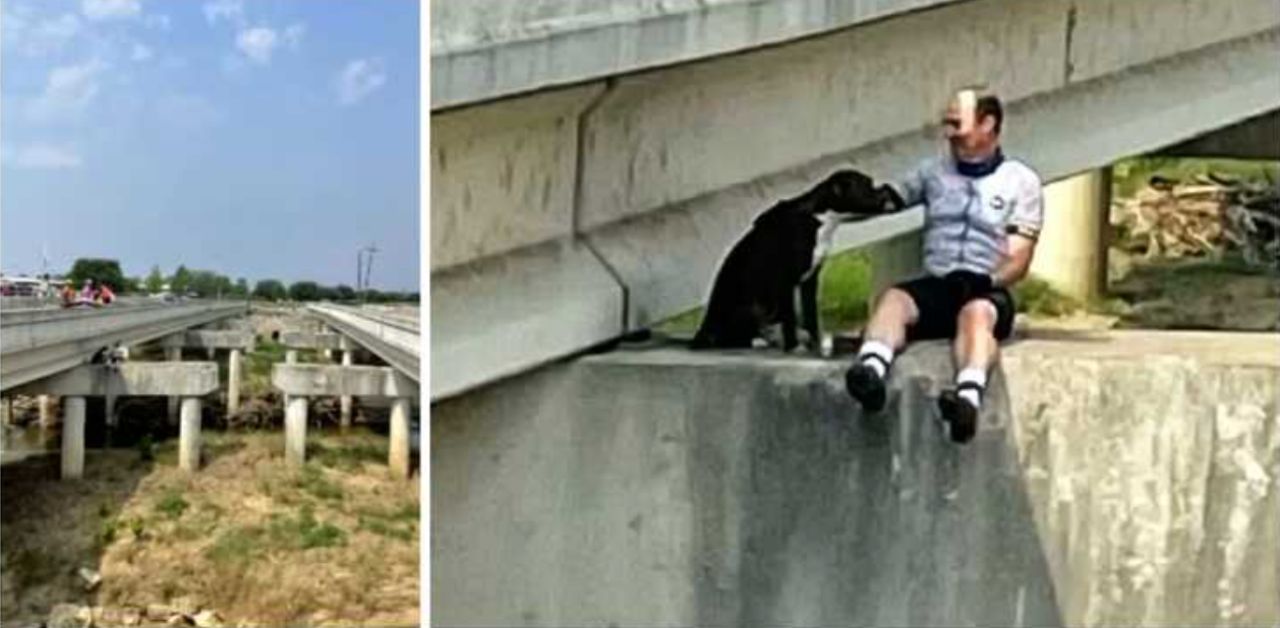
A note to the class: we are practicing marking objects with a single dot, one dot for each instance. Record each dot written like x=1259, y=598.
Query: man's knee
x=897, y=303
x=978, y=314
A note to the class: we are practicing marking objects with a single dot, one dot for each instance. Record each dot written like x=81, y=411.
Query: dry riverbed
x=332, y=543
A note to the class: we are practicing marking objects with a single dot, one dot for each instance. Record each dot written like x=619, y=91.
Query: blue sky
x=256, y=138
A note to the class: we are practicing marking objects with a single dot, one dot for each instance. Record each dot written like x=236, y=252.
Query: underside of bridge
x=564, y=217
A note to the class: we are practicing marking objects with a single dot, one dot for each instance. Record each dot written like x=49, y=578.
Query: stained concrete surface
x=667, y=488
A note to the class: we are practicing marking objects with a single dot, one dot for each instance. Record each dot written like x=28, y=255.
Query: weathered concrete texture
x=1111, y=35
x=542, y=302
x=188, y=379
x=311, y=340
x=482, y=50
x=666, y=488
x=503, y=175
x=73, y=420
x=329, y=380
x=1153, y=464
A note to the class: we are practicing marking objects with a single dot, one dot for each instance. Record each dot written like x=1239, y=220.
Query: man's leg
x=884, y=335
x=975, y=349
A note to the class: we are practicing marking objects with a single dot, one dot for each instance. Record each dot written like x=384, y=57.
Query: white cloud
x=108, y=9
x=293, y=35
x=42, y=156
x=68, y=90
x=140, y=52
x=358, y=79
x=39, y=38
x=257, y=43
x=229, y=10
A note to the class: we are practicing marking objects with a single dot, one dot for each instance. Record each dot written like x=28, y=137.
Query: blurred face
x=968, y=136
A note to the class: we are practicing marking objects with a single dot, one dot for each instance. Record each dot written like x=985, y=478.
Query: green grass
x=347, y=456
x=843, y=292
x=1130, y=175
x=400, y=523
x=171, y=505
x=299, y=532
x=1035, y=296
x=311, y=480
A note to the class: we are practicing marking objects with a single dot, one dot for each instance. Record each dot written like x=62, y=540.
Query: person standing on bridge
x=983, y=214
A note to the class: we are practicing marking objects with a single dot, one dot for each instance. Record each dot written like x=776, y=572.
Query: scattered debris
x=91, y=578
x=1204, y=217
x=180, y=613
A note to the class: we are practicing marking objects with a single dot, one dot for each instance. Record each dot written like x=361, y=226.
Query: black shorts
x=939, y=301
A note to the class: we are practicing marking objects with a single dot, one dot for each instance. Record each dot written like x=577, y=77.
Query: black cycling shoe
x=865, y=386
x=959, y=414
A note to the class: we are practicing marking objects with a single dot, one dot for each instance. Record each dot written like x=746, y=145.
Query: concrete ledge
x=506, y=315
x=319, y=380
x=175, y=379
x=395, y=340
x=210, y=339
x=311, y=340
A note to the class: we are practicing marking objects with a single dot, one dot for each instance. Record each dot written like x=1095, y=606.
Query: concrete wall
x=663, y=488
x=671, y=488
x=1155, y=479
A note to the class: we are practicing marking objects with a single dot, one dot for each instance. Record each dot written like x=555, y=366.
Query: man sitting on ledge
x=983, y=214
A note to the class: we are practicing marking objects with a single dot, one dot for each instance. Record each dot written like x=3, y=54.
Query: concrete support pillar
x=109, y=403
x=6, y=411
x=400, y=446
x=1072, y=253
x=73, y=409
x=173, y=354
x=328, y=355
x=211, y=352
x=344, y=402
x=295, y=431
x=290, y=357
x=189, y=435
x=233, y=382
x=45, y=404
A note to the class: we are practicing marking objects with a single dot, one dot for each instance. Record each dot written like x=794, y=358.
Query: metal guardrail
x=37, y=343
x=395, y=339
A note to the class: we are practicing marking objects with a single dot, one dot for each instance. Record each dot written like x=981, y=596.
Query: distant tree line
x=210, y=284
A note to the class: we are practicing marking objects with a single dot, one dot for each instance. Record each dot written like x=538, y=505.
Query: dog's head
x=855, y=194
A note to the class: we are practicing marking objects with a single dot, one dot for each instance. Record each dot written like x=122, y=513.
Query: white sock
x=976, y=376
x=880, y=350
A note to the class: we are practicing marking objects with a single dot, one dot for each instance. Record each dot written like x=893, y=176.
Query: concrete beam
x=312, y=340
x=39, y=343
x=210, y=339
x=394, y=339
x=324, y=380
x=185, y=379
x=1255, y=138
x=485, y=50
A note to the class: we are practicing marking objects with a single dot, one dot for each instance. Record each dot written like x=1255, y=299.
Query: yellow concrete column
x=1072, y=253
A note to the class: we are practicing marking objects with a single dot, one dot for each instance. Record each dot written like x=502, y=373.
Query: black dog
x=756, y=284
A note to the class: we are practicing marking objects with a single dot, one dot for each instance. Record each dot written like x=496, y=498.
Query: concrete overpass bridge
x=592, y=161
x=51, y=352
